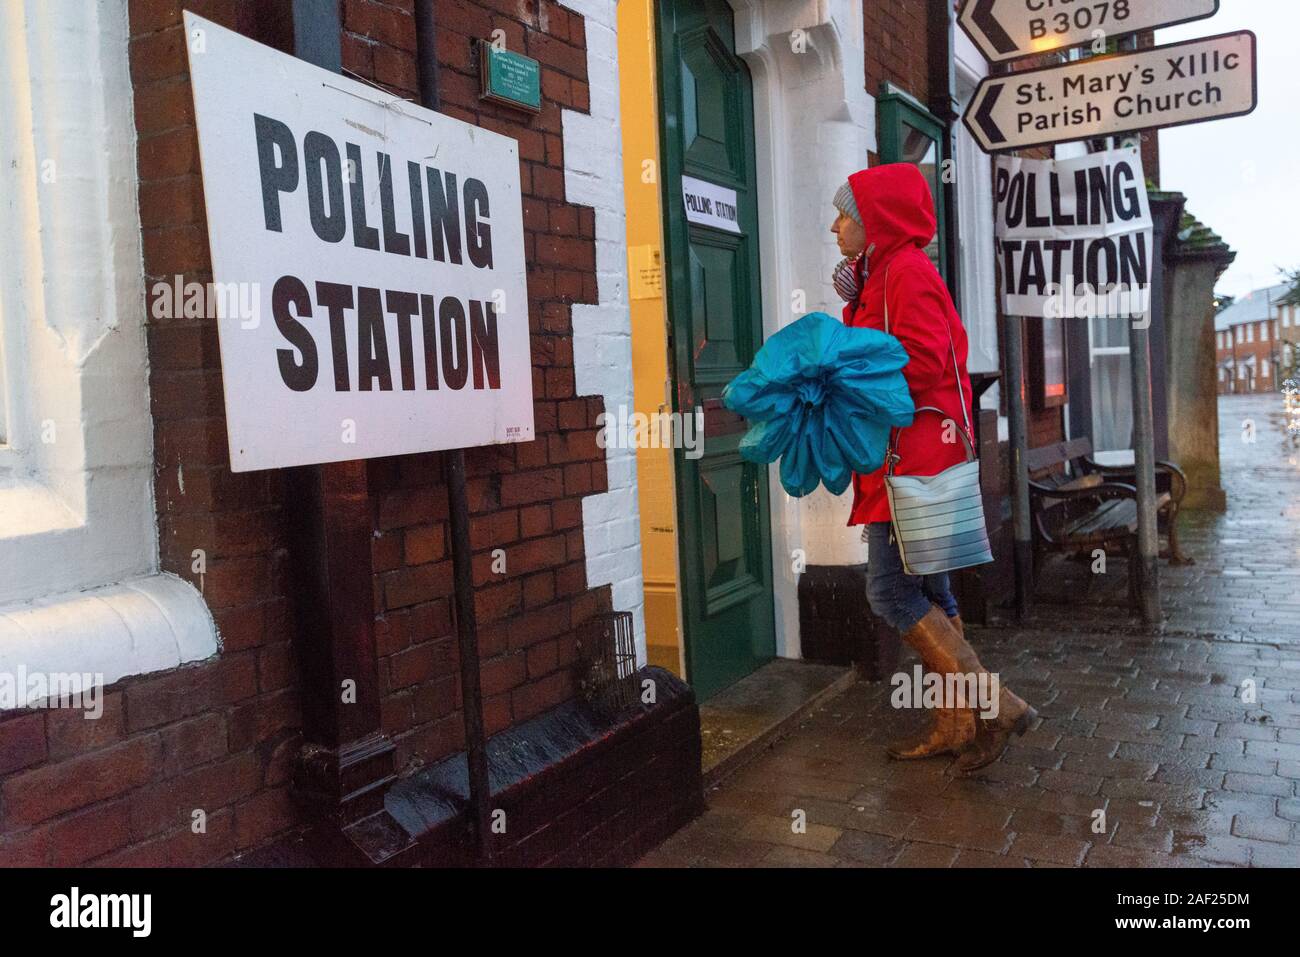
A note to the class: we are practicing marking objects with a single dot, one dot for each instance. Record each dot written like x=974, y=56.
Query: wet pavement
x=1175, y=749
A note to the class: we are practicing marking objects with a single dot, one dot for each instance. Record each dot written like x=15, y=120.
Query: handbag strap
x=891, y=457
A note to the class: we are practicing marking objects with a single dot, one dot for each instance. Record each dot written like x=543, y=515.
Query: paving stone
x=960, y=833
x=1244, y=765
x=1275, y=855
x=1052, y=823
x=874, y=850
x=1273, y=749
x=1057, y=850
x=1237, y=802
x=983, y=859
x=1262, y=828
x=1033, y=757
x=796, y=857
x=1069, y=782
x=1078, y=804
x=1156, y=838
x=1175, y=794
x=1217, y=848
x=858, y=817
x=1187, y=821
x=1084, y=764
x=1108, y=855
x=1206, y=778
x=925, y=855
x=1069, y=744
x=1259, y=784
x=775, y=830
x=1246, y=731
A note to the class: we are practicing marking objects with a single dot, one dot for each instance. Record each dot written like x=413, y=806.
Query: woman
x=885, y=220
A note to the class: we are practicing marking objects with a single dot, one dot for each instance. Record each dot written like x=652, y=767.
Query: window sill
x=146, y=624
x=33, y=510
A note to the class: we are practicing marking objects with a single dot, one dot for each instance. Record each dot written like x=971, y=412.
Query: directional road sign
x=1205, y=79
x=1006, y=29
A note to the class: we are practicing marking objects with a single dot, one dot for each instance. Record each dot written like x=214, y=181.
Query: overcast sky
x=1242, y=176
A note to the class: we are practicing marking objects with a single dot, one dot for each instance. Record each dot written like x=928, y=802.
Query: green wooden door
x=715, y=328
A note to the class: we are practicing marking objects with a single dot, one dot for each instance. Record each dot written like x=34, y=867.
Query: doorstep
x=738, y=723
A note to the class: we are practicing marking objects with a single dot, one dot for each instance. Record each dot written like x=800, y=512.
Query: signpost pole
x=1019, y=447
x=1148, y=580
x=453, y=461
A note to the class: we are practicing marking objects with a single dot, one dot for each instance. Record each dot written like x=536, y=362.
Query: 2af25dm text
x=1212, y=899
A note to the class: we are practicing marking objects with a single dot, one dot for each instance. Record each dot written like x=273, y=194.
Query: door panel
x=715, y=328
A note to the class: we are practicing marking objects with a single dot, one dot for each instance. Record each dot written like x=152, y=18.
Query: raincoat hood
x=897, y=209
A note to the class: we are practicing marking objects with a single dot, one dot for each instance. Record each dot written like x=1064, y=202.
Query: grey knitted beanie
x=846, y=204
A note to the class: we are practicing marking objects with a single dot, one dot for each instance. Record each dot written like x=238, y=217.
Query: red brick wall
x=220, y=736
x=897, y=45
x=896, y=49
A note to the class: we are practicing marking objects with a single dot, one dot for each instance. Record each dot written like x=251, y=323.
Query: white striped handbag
x=938, y=520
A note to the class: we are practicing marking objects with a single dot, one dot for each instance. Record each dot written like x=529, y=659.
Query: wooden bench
x=1090, y=505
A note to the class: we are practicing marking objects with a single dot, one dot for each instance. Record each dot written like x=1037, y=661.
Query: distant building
x=1255, y=341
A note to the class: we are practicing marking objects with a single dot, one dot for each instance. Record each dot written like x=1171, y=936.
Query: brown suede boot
x=952, y=729
x=941, y=641
x=993, y=735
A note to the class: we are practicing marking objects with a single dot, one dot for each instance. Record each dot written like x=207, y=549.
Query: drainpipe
x=453, y=461
x=942, y=22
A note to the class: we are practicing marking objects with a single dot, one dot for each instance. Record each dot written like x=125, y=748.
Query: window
x=975, y=254
x=1263, y=367
x=1112, y=411
x=1250, y=332
x=1263, y=331
x=79, y=578
x=909, y=133
x=1045, y=346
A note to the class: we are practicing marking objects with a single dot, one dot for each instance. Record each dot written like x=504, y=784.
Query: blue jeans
x=897, y=597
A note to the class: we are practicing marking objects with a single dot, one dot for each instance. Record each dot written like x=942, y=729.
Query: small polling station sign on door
x=382, y=245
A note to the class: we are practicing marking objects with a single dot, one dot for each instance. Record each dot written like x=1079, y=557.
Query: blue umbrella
x=822, y=397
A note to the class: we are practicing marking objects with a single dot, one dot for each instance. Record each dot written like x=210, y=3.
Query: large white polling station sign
x=1074, y=236
x=383, y=246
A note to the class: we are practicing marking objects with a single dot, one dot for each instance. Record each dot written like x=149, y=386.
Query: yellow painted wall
x=639, y=117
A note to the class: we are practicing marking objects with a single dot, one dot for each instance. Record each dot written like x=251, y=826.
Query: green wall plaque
x=510, y=78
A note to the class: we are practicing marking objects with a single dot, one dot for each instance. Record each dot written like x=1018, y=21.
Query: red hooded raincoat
x=898, y=216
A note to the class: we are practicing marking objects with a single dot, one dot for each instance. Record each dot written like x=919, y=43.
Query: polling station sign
x=382, y=248
x=710, y=204
x=1211, y=78
x=1073, y=237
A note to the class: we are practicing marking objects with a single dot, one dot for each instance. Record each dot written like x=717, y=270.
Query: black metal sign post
x=1022, y=545
x=1144, y=465
x=453, y=461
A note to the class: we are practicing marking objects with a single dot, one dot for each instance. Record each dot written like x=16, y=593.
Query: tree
x=1292, y=278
